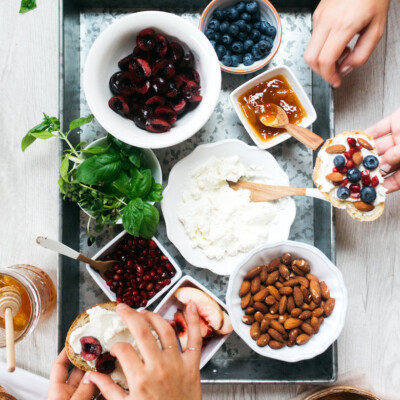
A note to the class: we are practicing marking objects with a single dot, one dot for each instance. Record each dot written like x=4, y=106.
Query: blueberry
x=264, y=25
x=248, y=44
x=224, y=27
x=226, y=40
x=339, y=161
x=227, y=60
x=233, y=30
x=236, y=60
x=214, y=25
x=228, y=53
x=370, y=162
x=248, y=59
x=256, y=17
x=343, y=193
x=221, y=51
x=257, y=53
x=353, y=175
x=245, y=17
x=237, y=47
x=232, y=14
x=271, y=31
x=213, y=43
x=210, y=34
x=258, y=25
x=242, y=25
x=368, y=194
x=240, y=7
x=265, y=46
x=217, y=37
x=252, y=7
x=242, y=36
x=220, y=15
x=255, y=35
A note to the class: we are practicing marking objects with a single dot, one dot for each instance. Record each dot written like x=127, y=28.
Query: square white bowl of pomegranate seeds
x=146, y=272
x=215, y=322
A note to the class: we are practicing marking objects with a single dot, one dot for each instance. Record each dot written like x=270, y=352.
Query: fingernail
x=121, y=306
x=385, y=168
x=192, y=307
x=346, y=70
x=86, y=378
x=335, y=85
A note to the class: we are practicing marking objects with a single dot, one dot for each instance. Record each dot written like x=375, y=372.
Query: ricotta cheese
x=223, y=222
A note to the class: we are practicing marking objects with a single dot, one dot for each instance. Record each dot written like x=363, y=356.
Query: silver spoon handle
x=58, y=247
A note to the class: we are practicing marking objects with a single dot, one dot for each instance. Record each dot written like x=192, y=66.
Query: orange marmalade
x=255, y=103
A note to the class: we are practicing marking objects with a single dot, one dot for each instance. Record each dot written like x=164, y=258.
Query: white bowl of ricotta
x=213, y=226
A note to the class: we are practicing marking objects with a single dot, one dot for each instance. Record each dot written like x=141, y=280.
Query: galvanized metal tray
x=81, y=22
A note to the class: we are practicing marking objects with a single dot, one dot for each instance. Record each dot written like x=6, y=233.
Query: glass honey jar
x=38, y=296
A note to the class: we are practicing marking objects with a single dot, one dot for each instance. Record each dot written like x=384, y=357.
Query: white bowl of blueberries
x=245, y=34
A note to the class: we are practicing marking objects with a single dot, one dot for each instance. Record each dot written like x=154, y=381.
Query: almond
x=274, y=344
x=261, y=295
x=263, y=273
x=272, y=277
x=245, y=301
x=258, y=316
x=255, y=332
x=271, y=316
x=274, y=308
x=357, y=158
x=313, y=305
x=270, y=300
x=298, y=297
x=303, y=281
x=244, y=289
x=291, y=282
x=250, y=311
x=264, y=326
x=302, y=339
x=274, y=292
x=315, y=324
x=260, y=307
x=324, y=290
x=312, y=277
x=284, y=271
x=292, y=323
x=305, y=315
x=248, y=319
x=318, y=312
x=329, y=306
x=255, y=284
x=296, y=312
x=335, y=177
x=282, y=318
x=290, y=304
x=315, y=291
x=365, y=144
x=302, y=265
x=282, y=305
x=307, y=328
x=253, y=272
x=278, y=327
x=293, y=334
x=364, y=207
x=273, y=265
x=336, y=149
x=297, y=270
x=275, y=334
x=263, y=340
x=286, y=290
x=306, y=294
x=286, y=258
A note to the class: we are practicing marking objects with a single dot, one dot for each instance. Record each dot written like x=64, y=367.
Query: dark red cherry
x=161, y=46
x=157, y=125
x=145, y=39
x=180, y=106
x=139, y=68
x=144, y=88
x=105, y=363
x=187, y=61
x=155, y=101
x=191, y=92
x=140, y=116
x=159, y=85
x=190, y=74
x=164, y=69
x=91, y=348
x=172, y=90
x=119, y=105
x=167, y=113
x=124, y=62
x=175, y=53
x=122, y=83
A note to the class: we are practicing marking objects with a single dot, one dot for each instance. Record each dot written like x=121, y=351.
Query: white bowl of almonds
x=287, y=301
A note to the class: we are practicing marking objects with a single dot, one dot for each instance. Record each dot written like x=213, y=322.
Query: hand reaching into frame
x=163, y=374
x=336, y=22
x=72, y=388
x=387, y=135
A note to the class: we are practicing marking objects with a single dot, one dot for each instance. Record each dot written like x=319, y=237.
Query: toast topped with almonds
x=347, y=174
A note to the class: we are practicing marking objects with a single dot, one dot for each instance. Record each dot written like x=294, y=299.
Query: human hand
x=387, y=133
x=336, y=22
x=162, y=374
x=72, y=388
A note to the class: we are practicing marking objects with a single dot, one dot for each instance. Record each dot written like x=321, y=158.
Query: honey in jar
x=38, y=296
x=257, y=101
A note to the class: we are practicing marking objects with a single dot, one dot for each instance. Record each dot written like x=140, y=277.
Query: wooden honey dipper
x=10, y=303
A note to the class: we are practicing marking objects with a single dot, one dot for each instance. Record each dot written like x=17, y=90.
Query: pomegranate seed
x=143, y=242
x=120, y=283
x=337, y=183
x=374, y=181
x=125, y=247
x=159, y=270
x=115, y=267
x=109, y=274
x=133, y=284
x=164, y=258
x=143, y=303
x=117, y=277
x=165, y=274
x=158, y=287
x=130, y=242
x=135, y=293
x=142, y=285
x=143, y=294
x=120, y=291
x=119, y=300
x=365, y=173
x=153, y=273
x=128, y=302
x=139, y=269
x=355, y=195
x=343, y=170
x=139, y=279
x=129, y=263
x=147, y=278
x=350, y=164
x=150, y=263
x=109, y=282
x=137, y=299
x=151, y=293
x=352, y=142
x=152, y=244
x=344, y=182
x=335, y=169
x=359, y=148
x=352, y=150
x=113, y=289
x=355, y=188
x=366, y=181
x=165, y=282
x=152, y=253
x=347, y=155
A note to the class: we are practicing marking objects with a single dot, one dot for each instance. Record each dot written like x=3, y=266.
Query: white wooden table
x=367, y=253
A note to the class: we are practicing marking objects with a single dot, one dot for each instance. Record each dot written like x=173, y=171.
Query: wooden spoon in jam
x=279, y=119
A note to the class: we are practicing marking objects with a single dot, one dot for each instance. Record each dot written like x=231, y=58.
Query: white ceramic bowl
x=170, y=304
x=297, y=88
x=150, y=161
x=172, y=195
x=268, y=13
x=109, y=248
x=322, y=268
x=116, y=42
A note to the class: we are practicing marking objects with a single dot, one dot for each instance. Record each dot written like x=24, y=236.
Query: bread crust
x=81, y=320
x=348, y=205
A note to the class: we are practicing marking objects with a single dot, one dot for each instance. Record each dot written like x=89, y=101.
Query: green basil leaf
x=52, y=122
x=64, y=168
x=76, y=123
x=134, y=157
x=27, y=140
x=133, y=216
x=42, y=135
x=27, y=5
x=150, y=221
x=96, y=149
x=141, y=183
x=99, y=169
x=61, y=184
x=122, y=183
x=155, y=193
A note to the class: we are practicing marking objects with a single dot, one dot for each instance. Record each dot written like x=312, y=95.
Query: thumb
x=390, y=159
x=86, y=389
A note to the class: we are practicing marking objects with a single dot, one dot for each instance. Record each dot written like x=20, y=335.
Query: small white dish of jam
x=277, y=86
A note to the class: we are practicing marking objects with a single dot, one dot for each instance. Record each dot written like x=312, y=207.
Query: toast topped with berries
x=347, y=174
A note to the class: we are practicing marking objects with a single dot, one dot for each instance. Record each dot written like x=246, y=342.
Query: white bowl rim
x=211, y=266
x=91, y=61
x=290, y=244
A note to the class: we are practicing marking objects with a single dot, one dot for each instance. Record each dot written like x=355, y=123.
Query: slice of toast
x=330, y=196
x=80, y=320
